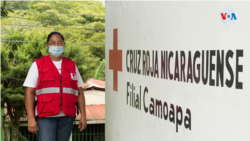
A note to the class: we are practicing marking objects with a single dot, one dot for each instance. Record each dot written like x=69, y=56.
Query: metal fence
x=30, y=136
x=93, y=132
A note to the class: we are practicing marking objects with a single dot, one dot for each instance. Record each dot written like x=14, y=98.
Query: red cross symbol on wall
x=115, y=59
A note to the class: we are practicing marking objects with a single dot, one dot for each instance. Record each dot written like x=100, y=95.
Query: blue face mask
x=56, y=51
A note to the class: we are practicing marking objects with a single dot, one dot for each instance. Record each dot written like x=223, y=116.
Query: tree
x=16, y=59
x=88, y=15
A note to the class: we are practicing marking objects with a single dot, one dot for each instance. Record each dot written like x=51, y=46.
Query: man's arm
x=29, y=104
x=81, y=105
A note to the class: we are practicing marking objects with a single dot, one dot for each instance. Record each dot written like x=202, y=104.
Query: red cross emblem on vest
x=73, y=76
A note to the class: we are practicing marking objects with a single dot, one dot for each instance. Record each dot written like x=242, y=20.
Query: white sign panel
x=177, y=71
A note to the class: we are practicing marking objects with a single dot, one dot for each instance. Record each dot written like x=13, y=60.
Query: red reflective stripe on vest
x=54, y=93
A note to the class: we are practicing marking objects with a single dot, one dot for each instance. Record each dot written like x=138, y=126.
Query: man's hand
x=32, y=126
x=82, y=123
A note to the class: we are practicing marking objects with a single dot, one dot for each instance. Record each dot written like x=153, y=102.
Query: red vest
x=56, y=92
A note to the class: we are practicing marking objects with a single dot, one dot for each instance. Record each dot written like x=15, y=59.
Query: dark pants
x=55, y=128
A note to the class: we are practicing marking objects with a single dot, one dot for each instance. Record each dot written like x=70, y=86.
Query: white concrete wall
x=94, y=97
x=217, y=113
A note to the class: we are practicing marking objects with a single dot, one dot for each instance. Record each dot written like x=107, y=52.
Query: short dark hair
x=54, y=33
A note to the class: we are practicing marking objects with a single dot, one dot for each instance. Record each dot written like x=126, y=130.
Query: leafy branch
x=4, y=12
